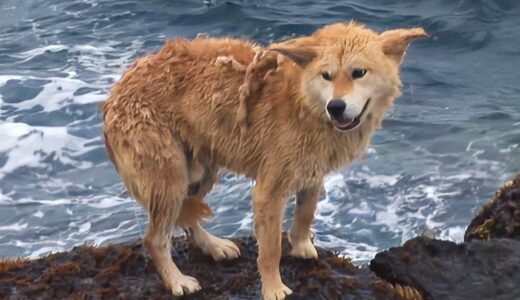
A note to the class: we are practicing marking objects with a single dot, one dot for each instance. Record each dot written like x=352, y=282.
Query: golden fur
x=178, y=116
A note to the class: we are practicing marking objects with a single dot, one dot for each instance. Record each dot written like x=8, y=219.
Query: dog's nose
x=336, y=108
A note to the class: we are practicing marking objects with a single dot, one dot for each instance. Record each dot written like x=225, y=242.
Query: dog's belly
x=231, y=157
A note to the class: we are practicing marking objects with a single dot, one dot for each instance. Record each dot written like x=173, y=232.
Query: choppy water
x=453, y=136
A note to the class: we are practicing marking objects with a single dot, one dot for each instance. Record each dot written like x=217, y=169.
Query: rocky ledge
x=485, y=266
x=123, y=271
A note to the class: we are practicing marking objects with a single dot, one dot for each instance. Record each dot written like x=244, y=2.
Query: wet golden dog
x=285, y=115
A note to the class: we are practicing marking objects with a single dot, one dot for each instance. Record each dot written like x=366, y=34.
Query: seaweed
x=124, y=271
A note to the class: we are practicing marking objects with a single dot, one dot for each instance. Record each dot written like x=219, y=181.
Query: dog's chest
x=315, y=160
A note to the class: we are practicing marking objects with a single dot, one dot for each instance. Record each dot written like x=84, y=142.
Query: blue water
x=451, y=139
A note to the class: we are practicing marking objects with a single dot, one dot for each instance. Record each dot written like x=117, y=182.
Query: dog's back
x=189, y=89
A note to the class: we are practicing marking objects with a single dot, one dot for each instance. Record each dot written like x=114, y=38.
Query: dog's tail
x=194, y=209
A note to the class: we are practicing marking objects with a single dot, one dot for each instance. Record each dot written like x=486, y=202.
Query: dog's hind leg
x=153, y=167
x=193, y=210
x=168, y=187
x=300, y=232
x=218, y=248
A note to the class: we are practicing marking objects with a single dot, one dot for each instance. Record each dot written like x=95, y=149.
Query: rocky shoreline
x=485, y=266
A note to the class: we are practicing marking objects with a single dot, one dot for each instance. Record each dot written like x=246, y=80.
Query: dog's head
x=348, y=69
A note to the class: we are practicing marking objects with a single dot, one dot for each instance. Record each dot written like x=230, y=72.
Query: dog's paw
x=183, y=285
x=277, y=292
x=304, y=249
x=221, y=249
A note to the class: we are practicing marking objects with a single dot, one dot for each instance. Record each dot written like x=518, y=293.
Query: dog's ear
x=395, y=42
x=300, y=50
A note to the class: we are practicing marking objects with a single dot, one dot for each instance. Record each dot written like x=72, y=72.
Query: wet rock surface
x=485, y=266
x=446, y=270
x=124, y=272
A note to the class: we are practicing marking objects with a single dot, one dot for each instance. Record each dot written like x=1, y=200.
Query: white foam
x=104, y=202
x=93, y=57
x=43, y=251
x=38, y=214
x=53, y=202
x=335, y=187
x=335, y=184
x=99, y=238
x=18, y=226
x=5, y=78
x=29, y=54
x=245, y=224
x=58, y=93
x=454, y=234
x=379, y=180
x=4, y=198
x=84, y=227
x=27, y=146
x=357, y=252
x=433, y=193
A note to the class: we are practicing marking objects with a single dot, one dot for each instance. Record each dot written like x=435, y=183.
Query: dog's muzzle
x=336, y=109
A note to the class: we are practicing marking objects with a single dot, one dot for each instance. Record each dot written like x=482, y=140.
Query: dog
x=285, y=115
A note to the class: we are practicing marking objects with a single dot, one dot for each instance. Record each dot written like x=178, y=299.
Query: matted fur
x=195, y=107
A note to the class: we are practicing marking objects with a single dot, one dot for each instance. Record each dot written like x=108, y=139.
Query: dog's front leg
x=269, y=203
x=300, y=233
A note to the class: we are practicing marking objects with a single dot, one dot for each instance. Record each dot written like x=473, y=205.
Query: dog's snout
x=335, y=108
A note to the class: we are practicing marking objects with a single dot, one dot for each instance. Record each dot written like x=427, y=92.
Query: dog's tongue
x=344, y=123
x=347, y=124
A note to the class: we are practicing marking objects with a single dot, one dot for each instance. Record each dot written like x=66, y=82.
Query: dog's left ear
x=300, y=50
x=395, y=42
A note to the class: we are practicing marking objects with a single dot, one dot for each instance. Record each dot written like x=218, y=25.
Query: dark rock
x=485, y=266
x=500, y=217
x=445, y=270
x=124, y=272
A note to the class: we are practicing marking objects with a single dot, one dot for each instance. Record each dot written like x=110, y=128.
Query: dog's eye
x=326, y=76
x=358, y=73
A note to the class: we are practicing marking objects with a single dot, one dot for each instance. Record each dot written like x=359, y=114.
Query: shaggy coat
x=178, y=116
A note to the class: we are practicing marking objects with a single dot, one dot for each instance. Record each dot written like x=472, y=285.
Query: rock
x=125, y=272
x=500, y=217
x=485, y=266
x=446, y=270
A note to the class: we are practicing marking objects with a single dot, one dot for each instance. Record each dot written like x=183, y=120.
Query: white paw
x=276, y=293
x=304, y=249
x=221, y=249
x=184, y=285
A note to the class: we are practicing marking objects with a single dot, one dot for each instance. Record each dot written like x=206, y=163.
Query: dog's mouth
x=349, y=124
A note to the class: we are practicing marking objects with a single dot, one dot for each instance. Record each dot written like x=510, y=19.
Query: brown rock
x=125, y=272
x=500, y=217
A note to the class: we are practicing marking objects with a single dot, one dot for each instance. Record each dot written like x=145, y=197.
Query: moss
x=500, y=216
x=484, y=230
